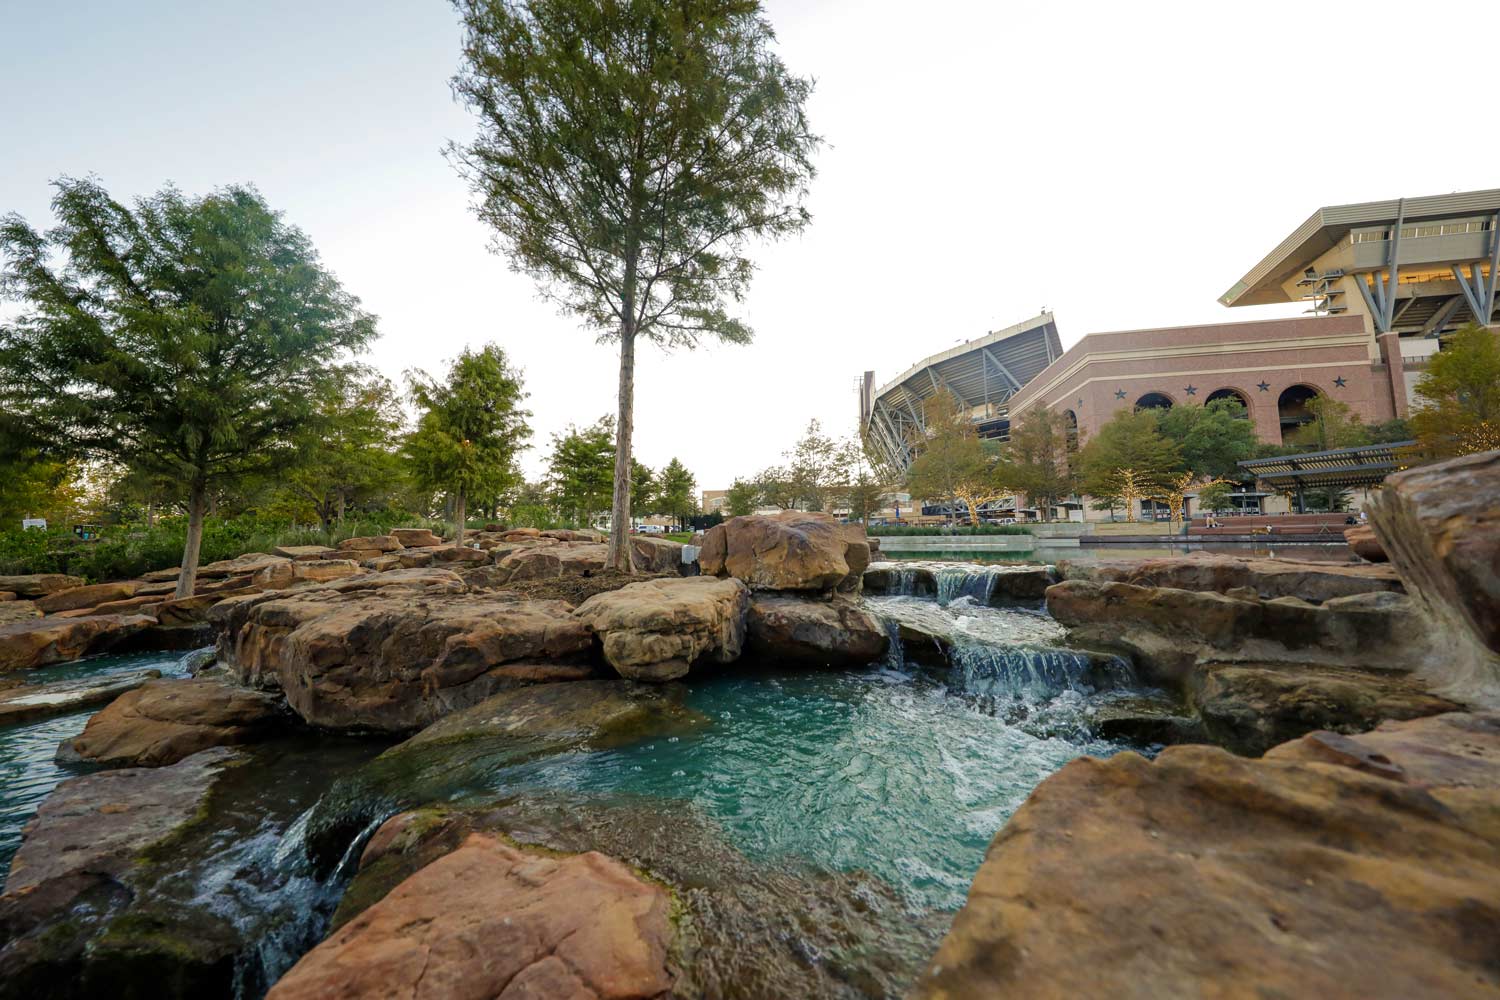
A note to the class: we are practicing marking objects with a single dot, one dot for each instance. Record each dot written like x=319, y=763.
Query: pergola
x=1341, y=468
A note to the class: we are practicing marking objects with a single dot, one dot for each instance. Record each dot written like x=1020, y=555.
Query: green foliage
x=1127, y=460
x=1333, y=425
x=1212, y=438
x=1460, y=395
x=627, y=154
x=1036, y=462
x=186, y=339
x=817, y=469
x=676, y=496
x=581, y=470
x=961, y=529
x=33, y=486
x=1215, y=497
x=471, y=428
x=742, y=498
x=952, y=464
x=643, y=492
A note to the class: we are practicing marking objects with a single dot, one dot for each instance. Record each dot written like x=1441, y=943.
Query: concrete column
x=1390, y=353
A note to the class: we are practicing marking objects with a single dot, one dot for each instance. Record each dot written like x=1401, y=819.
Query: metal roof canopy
x=1366, y=465
x=1327, y=226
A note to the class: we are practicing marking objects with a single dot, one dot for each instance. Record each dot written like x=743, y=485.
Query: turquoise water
x=888, y=772
x=27, y=771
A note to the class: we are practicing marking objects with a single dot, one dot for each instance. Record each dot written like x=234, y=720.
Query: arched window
x=1233, y=394
x=1291, y=407
x=1070, y=430
x=1154, y=401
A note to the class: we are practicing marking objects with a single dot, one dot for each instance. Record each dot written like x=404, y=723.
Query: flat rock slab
x=18, y=611
x=657, y=630
x=37, y=701
x=1363, y=866
x=1268, y=578
x=490, y=920
x=162, y=722
x=834, y=634
x=39, y=584
x=86, y=597
x=38, y=642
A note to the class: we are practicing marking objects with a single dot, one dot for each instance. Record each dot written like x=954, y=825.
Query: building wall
x=1105, y=373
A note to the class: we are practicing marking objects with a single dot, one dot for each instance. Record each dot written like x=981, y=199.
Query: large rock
x=793, y=550
x=657, y=630
x=415, y=538
x=165, y=721
x=1362, y=540
x=1440, y=525
x=36, y=642
x=1364, y=866
x=39, y=584
x=295, y=552
x=656, y=555
x=34, y=701
x=85, y=597
x=284, y=575
x=245, y=565
x=18, y=611
x=489, y=920
x=395, y=658
x=371, y=543
x=551, y=562
x=834, y=634
x=76, y=917
x=1268, y=578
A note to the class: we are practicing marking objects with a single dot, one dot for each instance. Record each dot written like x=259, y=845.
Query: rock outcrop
x=395, y=654
x=415, y=538
x=36, y=585
x=1362, y=540
x=491, y=920
x=1440, y=525
x=18, y=611
x=1361, y=866
x=165, y=721
x=1268, y=578
x=657, y=630
x=37, y=642
x=793, y=550
x=836, y=634
x=25, y=702
x=75, y=598
x=280, y=576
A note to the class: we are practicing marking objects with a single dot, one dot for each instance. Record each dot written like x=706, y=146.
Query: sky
x=1119, y=164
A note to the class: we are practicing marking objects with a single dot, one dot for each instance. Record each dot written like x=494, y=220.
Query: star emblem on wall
x=1339, y=381
x=1191, y=390
x=1080, y=402
x=1119, y=393
x=1264, y=386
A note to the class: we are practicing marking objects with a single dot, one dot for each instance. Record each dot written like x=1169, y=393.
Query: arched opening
x=1070, y=430
x=1292, y=409
x=1154, y=401
x=1234, y=394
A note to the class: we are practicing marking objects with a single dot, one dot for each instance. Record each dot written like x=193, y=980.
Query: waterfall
x=1032, y=674
x=954, y=582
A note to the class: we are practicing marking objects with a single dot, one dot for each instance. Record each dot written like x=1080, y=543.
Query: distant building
x=713, y=501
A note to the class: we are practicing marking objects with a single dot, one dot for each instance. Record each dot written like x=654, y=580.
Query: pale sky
x=1121, y=164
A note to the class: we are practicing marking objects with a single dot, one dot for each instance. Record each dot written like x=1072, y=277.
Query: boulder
x=415, y=538
x=1362, y=540
x=245, y=565
x=569, y=535
x=186, y=610
x=1364, y=866
x=18, y=611
x=164, y=721
x=416, y=558
x=551, y=562
x=458, y=554
x=1269, y=578
x=85, y=597
x=144, y=604
x=284, y=575
x=1440, y=525
x=793, y=550
x=835, y=634
x=655, y=555
x=354, y=655
x=90, y=850
x=371, y=543
x=39, y=584
x=36, y=642
x=657, y=630
x=520, y=534
x=489, y=920
x=35, y=701
x=295, y=552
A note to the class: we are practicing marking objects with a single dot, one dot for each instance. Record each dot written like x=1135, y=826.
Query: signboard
x=34, y=522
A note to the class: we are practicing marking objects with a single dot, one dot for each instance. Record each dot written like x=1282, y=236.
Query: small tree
x=643, y=487
x=1460, y=395
x=741, y=498
x=816, y=468
x=349, y=452
x=678, y=492
x=1215, y=496
x=1127, y=461
x=775, y=488
x=471, y=429
x=1213, y=438
x=185, y=339
x=581, y=470
x=627, y=153
x=1035, y=462
x=952, y=464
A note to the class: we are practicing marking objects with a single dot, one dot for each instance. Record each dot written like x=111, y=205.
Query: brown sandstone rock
x=520, y=534
x=792, y=550
x=414, y=538
x=36, y=701
x=283, y=575
x=490, y=920
x=1440, y=525
x=458, y=554
x=165, y=721
x=657, y=630
x=1362, y=540
x=564, y=559
x=354, y=654
x=245, y=565
x=1270, y=578
x=37, y=642
x=835, y=634
x=7, y=595
x=655, y=555
x=18, y=611
x=371, y=543
x=295, y=552
x=569, y=535
x=1365, y=866
x=85, y=597
x=39, y=584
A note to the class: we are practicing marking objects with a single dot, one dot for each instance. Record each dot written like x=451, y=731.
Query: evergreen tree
x=183, y=338
x=581, y=470
x=470, y=431
x=677, y=492
x=627, y=154
x=643, y=494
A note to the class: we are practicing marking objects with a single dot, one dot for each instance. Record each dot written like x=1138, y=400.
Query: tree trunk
x=189, y=575
x=460, y=516
x=619, y=527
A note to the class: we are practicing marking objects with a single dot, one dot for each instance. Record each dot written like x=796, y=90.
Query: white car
x=651, y=529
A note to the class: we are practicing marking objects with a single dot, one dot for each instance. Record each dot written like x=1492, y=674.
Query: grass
x=679, y=536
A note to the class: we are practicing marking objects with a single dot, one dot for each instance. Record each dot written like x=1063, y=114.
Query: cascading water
x=949, y=582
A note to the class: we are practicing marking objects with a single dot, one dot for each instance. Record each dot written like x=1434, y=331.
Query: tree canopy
x=1036, y=461
x=627, y=153
x=1213, y=438
x=350, y=450
x=1459, y=412
x=471, y=428
x=186, y=338
x=952, y=464
x=1128, y=460
x=581, y=469
x=677, y=492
